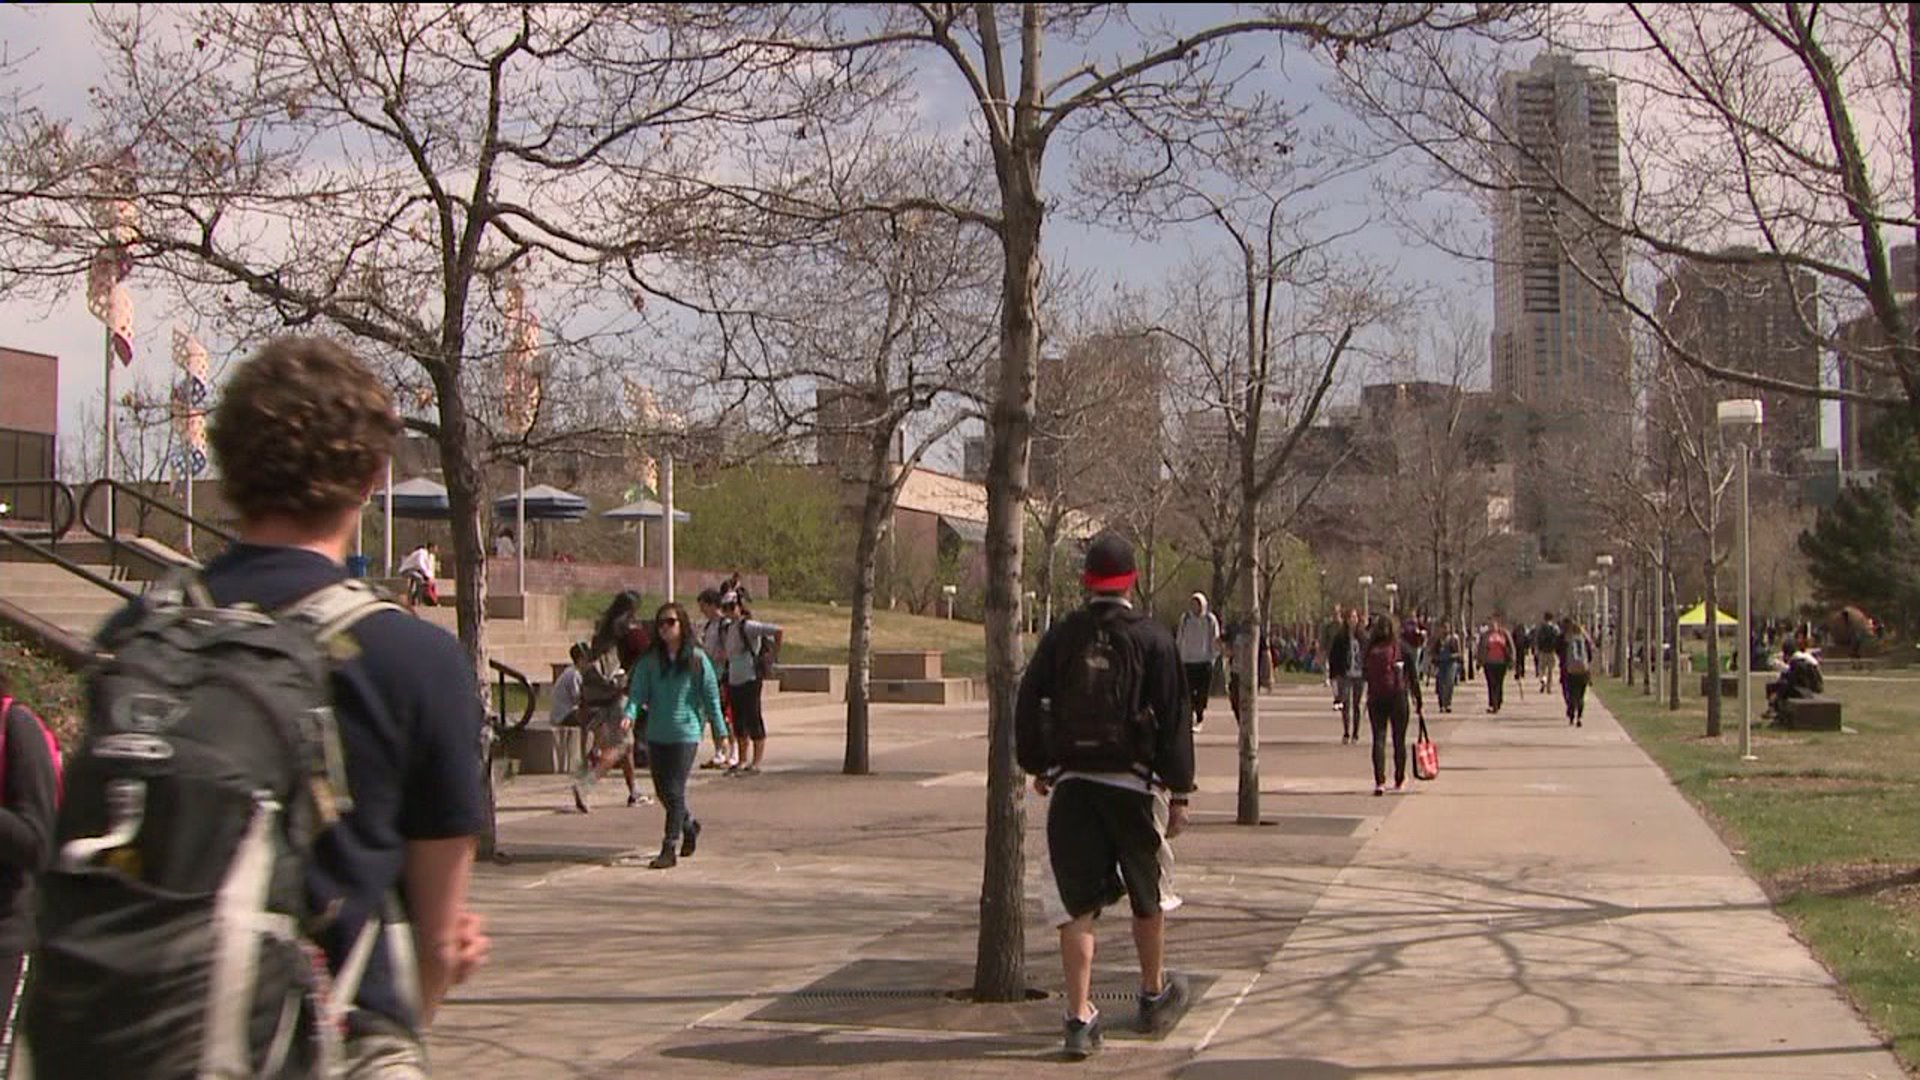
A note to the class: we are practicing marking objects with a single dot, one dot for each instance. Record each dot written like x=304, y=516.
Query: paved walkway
x=1550, y=907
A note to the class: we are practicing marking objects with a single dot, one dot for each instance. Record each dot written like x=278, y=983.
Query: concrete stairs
x=68, y=602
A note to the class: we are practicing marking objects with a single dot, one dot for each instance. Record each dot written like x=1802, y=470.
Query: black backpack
x=1095, y=722
x=175, y=926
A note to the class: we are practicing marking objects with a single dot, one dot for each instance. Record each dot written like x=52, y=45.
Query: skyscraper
x=1560, y=344
x=1747, y=316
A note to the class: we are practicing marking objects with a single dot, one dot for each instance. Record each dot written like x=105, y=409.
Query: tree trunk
x=1050, y=537
x=1000, y=953
x=873, y=522
x=1713, y=653
x=1218, y=595
x=1245, y=646
x=466, y=498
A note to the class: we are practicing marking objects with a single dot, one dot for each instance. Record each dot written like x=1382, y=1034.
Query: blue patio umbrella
x=419, y=498
x=544, y=503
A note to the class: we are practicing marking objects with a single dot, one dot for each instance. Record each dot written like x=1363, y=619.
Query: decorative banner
x=520, y=383
x=190, y=394
x=107, y=297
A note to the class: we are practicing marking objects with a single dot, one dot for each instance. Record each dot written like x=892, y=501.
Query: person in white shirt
x=749, y=651
x=420, y=568
x=1199, y=643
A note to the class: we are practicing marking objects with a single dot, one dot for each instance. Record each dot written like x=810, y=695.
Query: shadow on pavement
x=812, y=1049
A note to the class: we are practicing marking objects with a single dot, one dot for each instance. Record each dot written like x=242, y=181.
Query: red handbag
x=1426, y=755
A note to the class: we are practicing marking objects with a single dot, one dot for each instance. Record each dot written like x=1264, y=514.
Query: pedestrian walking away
x=207, y=823
x=1199, y=640
x=1576, y=654
x=1496, y=652
x=1102, y=727
x=1391, y=688
x=750, y=652
x=1546, y=650
x=674, y=687
x=29, y=789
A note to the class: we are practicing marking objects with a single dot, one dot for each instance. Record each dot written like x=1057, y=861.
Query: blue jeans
x=1445, y=674
x=671, y=764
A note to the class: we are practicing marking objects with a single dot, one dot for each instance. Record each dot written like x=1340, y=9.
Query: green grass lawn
x=1825, y=821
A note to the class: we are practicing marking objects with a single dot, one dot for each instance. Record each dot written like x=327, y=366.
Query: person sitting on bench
x=1800, y=678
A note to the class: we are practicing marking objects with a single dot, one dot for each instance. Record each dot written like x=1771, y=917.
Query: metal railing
x=45, y=545
x=116, y=488
x=501, y=727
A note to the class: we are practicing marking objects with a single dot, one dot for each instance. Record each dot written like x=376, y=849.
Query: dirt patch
x=1802, y=784
x=1896, y=884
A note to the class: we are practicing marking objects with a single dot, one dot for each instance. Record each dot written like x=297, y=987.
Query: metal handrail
x=118, y=488
x=46, y=553
x=500, y=726
x=62, y=497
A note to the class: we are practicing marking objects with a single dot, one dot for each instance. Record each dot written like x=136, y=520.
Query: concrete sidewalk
x=1549, y=907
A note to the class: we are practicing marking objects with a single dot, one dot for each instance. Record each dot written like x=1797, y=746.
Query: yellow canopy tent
x=1697, y=618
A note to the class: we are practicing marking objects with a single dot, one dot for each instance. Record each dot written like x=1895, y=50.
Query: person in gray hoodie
x=1199, y=644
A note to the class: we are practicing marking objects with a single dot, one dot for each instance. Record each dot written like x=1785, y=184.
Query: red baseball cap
x=1109, y=565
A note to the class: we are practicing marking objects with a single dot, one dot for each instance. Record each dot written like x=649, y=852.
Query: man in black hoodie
x=1102, y=726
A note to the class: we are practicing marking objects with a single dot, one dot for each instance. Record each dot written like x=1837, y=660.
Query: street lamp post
x=1393, y=597
x=951, y=591
x=1743, y=416
x=1366, y=583
x=1605, y=563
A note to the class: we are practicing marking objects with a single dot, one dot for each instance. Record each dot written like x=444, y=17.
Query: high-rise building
x=1866, y=365
x=1561, y=351
x=1754, y=316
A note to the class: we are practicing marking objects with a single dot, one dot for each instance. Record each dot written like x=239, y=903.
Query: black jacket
x=1340, y=652
x=1162, y=690
x=26, y=826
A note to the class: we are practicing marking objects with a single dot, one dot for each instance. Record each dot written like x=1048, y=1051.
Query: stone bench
x=915, y=664
x=921, y=691
x=543, y=750
x=828, y=679
x=1817, y=713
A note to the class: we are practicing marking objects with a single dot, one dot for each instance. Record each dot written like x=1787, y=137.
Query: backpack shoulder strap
x=181, y=587
x=334, y=609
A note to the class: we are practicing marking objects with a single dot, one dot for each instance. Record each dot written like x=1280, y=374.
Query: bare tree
x=871, y=339
x=380, y=171
x=1169, y=83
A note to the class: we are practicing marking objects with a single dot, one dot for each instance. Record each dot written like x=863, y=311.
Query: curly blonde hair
x=302, y=429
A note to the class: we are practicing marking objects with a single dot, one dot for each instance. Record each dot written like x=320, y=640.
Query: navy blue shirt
x=411, y=722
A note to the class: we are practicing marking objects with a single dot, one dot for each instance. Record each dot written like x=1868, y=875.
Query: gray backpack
x=176, y=935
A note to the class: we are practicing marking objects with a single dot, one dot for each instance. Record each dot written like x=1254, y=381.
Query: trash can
x=357, y=565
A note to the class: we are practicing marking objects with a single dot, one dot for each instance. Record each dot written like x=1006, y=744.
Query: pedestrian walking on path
x=1496, y=653
x=1446, y=666
x=1345, y=666
x=1391, y=687
x=712, y=639
x=1102, y=728
x=675, y=689
x=1200, y=641
x=1546, y=650
x=1576, y=654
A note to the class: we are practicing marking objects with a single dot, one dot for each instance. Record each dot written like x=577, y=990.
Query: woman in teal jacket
x=673, y=686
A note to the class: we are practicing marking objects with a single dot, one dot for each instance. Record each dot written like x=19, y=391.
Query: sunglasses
x=670, y=621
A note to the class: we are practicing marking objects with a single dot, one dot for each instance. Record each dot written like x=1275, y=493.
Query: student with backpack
x=1446, y=666
x=1546, y=649
x=29, y=794
x=1102, y=727
x=1496, y=652
x=712, y=639
x=750, y=650
x=1199, y=640
x=276, y=759
x=1576, y=654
